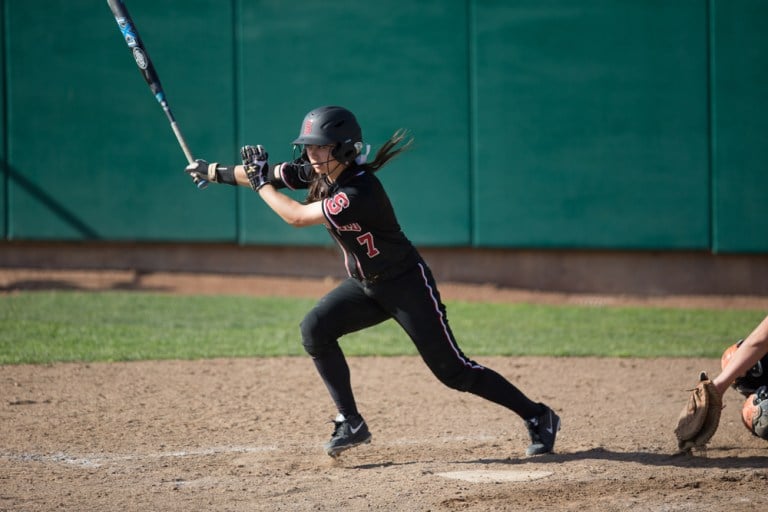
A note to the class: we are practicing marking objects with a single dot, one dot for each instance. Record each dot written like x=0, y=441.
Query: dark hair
x=400, y=141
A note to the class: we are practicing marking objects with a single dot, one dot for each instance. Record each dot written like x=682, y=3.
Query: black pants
x=413, y=301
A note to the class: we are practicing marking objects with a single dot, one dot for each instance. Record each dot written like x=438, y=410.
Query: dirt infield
x=246, y=434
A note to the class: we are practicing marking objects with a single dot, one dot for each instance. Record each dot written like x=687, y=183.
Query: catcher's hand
x=700, y=417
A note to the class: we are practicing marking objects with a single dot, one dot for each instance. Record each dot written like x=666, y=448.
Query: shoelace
x=533, y=430
x=337, y=427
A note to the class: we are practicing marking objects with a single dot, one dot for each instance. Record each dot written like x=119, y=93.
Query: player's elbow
x=298, y=221
x=300, y=215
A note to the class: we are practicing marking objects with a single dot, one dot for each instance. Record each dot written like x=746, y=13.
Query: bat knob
x=201, y=184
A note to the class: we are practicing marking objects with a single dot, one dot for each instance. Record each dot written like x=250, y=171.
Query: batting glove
x=202, y=170
x=256, y=166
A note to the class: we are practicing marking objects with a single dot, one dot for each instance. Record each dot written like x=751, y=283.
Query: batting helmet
x=332, y=125
x=754, y=413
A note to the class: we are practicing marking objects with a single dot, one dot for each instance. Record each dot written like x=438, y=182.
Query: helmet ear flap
x=345, y=152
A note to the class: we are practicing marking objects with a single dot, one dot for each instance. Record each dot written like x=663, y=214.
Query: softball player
x=387, y=276
x=745, y=368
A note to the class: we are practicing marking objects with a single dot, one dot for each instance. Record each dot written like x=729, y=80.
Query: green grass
x=44, y=327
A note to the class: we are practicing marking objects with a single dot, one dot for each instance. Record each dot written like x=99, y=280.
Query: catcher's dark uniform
x=387, y=279
x=756, y=377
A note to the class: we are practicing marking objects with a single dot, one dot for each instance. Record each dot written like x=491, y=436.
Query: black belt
x=391, y=272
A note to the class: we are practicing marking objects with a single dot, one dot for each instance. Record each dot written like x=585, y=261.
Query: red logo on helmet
x=308, y=127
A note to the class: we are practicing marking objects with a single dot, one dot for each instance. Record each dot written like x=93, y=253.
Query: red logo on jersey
x=337, y=203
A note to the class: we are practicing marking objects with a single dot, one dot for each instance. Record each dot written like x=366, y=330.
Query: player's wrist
x=224, y=174
x=266, y=186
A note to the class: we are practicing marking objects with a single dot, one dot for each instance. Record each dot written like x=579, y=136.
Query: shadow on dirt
x=700, y=460
x=133, y=284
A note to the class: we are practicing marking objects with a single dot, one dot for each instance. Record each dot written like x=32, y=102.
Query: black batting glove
x=256, y=166
x=202, y=170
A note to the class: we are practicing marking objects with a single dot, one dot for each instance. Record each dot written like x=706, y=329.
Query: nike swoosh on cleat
x=355, y=429
x=550, y=429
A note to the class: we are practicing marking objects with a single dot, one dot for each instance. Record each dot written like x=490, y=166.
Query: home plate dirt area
x=246, y=434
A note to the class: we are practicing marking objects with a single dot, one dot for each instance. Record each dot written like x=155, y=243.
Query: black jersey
x=756, y=377
x=361, y=219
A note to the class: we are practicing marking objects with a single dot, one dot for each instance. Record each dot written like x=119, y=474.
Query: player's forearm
x=241, y=177
x=294, y=213
x=752, y=349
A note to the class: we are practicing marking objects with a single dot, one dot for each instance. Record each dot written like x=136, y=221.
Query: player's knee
x=754, y=413
x=315, y=336
x=460, y=380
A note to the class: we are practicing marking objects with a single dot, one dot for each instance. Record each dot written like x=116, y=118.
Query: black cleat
x=347, y=433
x=543, y=431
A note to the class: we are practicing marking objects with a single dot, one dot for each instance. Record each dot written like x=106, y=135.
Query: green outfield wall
x=557, y=124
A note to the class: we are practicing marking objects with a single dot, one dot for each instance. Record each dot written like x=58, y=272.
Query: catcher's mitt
x=700, y=417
